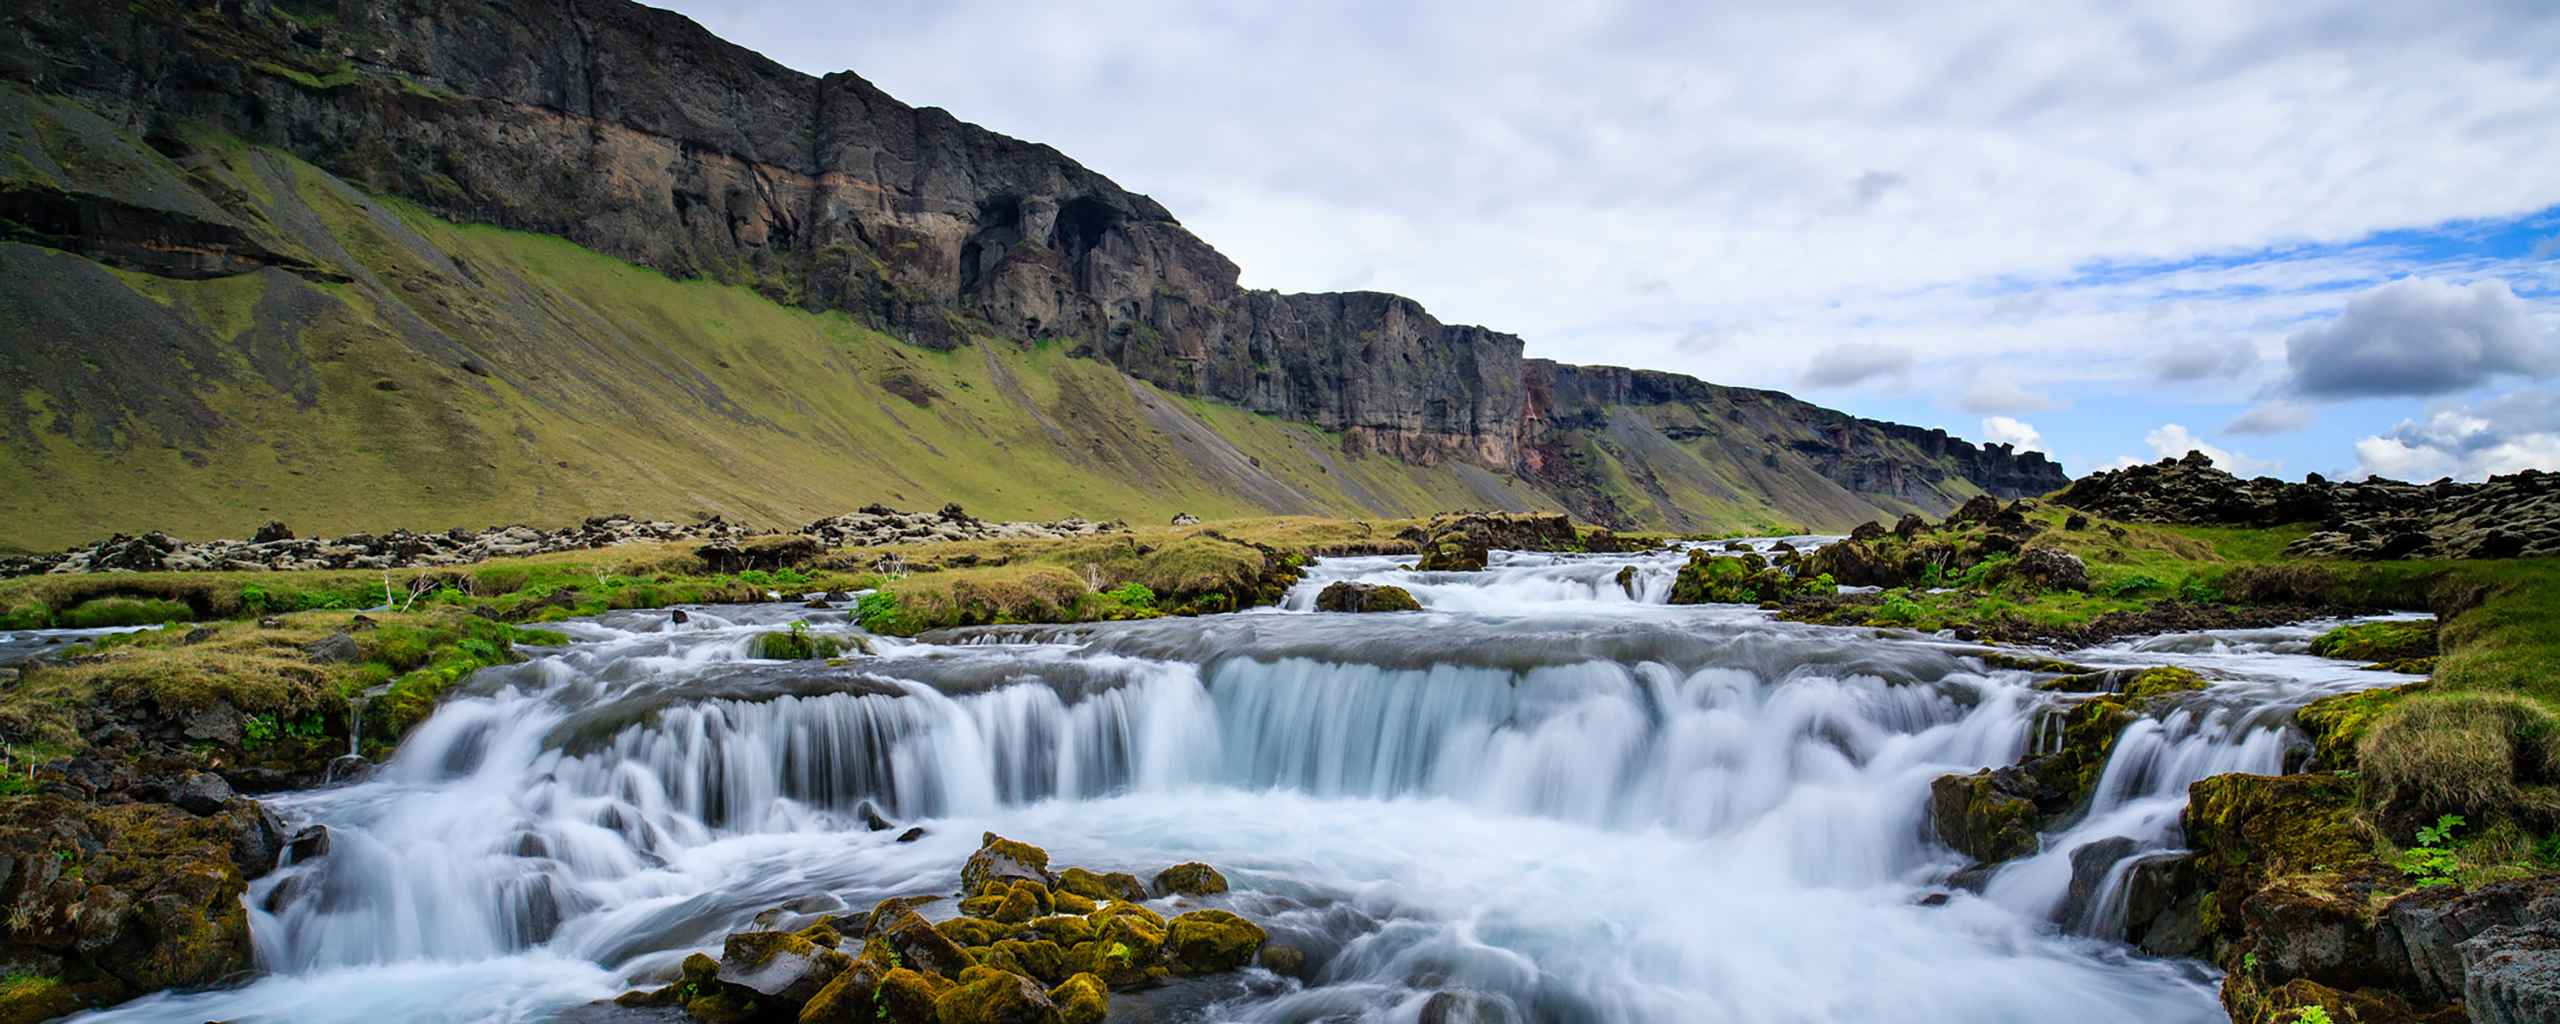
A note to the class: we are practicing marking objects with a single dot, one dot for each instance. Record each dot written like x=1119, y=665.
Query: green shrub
x=1135, y=595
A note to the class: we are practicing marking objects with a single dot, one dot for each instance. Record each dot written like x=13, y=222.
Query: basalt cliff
x=296, y=255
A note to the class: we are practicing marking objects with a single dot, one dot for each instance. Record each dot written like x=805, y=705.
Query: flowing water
x=1547, y=793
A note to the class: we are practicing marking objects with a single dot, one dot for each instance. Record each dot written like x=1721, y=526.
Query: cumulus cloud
x=2274, y=417
x=2514, y=431
x=2000, y=396
x=2419, y=338
x=2173, y=441
x=2202, y=360
x=1851, y=363
x=2021, y=436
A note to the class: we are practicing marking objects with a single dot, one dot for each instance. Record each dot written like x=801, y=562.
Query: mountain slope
x=241, y=283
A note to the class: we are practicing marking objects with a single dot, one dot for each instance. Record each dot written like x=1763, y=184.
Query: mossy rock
x=2160, y=682
x=2379, y=641
x=780, y=965
x=852, y=998
x=989, y=996
x=1065, y=929
x=1065, y=902
x=1002, y=859
x=1118, y=885
x=1124, y=908
x=983, y=906
x=889, y=910
x=1208, y=941
x=801, y=645
x=919, y=946
x=1040, y=959
x=1972, y=814
x=908, y=996
x=1192, y=879
x=1042, y=904
x=2337, y=723
x=1081, y=999
x=971, y=931
x=1347, y=596
x=727, y=1005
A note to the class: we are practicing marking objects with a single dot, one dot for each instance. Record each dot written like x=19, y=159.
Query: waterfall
x=1564, y=800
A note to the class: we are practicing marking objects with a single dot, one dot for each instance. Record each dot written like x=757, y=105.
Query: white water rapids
x=1559, y=801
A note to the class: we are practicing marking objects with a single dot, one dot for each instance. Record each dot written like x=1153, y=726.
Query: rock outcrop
x=2504, y=517
x=636, y=133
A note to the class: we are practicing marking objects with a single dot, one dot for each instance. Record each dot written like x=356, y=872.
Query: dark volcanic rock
x=2505, y=517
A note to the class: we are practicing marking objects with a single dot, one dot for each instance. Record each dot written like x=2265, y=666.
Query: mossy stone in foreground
x=911, y=997
x=1082, y=999
x=989, y=996
x=1118, y=885
x=1192, y=879
x=1206, y=941
x=850, y=998
x=1973, y=815
x=2159, y=682
x=972, y=931
x=2379, y=641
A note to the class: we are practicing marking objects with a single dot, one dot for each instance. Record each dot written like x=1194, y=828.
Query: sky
x=2301, y=236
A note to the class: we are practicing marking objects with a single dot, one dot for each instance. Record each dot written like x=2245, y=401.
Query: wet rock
x=200, y=793
x=908, y=996
x=2163, y=914
x=1286, y=961
x=1001, y=859
x=1118, y=885
x=1185, y=519
x=2511, y=974
x=308, y=842
x=911, y=834
x=1347, y=596
x=261, y=844
x=781, y=965
x=920, y=946
x=336, y=648
x=348, y=768
x=2429, y=927
x=871, y=818
x=1446, y=1007
x=1982, y=815
x=989, y=996
x=1204, y=941
x=1081, y=999
x=1191, y=879
x=848, y=997
x=2090, y=865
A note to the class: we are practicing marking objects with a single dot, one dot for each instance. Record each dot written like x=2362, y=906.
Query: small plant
x=1135, y=595
x=2313, y=1015
x=258, y=730
x=2249, y=962
x=2432, y=861
x=875, y=609
x=2131, y=583
x=2199, y=590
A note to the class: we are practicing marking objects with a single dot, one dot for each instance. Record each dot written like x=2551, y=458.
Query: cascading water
x=1547, y=792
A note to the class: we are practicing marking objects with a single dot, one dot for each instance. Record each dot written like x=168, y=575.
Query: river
x=1551, y=798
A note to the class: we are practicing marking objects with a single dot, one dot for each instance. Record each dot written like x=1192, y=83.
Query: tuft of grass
x=2379, y=641
x=2471, y=753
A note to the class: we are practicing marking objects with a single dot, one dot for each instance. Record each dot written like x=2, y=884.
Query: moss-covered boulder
x=1081, y=999
x=989, y=996
x=1066, y=930
x=1347, y=596
x=1038, y=958
x=974, y=931
x=110, y=902
x=919, y=946
x=779, y=965
x=1981, y=817
x=2153, y=683
x=1191, y=879
x=1065, y=902
x=1118, y=885
x=909, y=996
x=803, y=645
x=851, y=998
x=1002, y=860
x=1207, y=941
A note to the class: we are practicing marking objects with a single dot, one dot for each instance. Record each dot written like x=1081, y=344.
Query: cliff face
x=635, y=133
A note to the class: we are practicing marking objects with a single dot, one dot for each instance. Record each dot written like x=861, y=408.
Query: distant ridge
x=636, y=134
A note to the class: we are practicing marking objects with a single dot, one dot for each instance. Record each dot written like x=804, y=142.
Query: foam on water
x=1552, y=797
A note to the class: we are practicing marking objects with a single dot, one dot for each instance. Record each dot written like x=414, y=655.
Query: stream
x=1547, y=796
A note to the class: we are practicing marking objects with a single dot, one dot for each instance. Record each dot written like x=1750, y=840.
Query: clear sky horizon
x=2305, y=237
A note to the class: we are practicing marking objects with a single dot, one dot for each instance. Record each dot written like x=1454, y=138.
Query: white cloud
x=2416, y=337
x=2002, y=396
x=2514, y=431
x=2021, y=436
x=1854, y=363
x=2272, y=417
x=2173, y=441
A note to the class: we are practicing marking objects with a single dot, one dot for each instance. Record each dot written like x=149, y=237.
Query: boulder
x=336, y=648
x=908, y=996
x=989, y=996
x=2511, y=974
x=1207, y=941
x=921, y=947
x=1118, y=885
x=781, y=965
x=1081, y=999
x=1982, y=815
x=1346, y=596
x=1192, y=879
x=200, y=793
x=1001, y=859
x=2049, y=568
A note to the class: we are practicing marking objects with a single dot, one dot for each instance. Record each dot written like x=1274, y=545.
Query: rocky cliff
x=637, y=134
